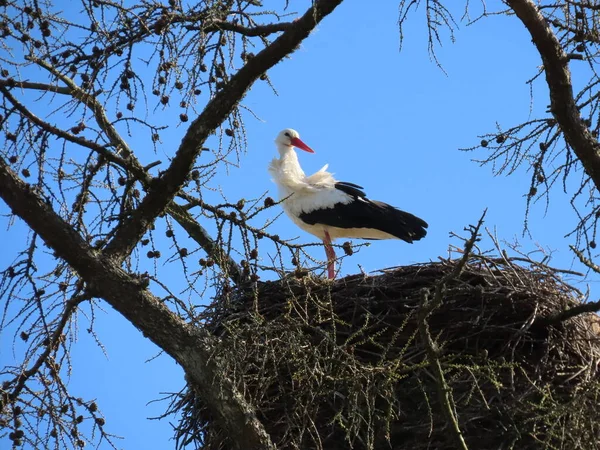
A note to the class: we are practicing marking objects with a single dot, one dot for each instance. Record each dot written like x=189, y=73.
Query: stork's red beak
x=298, y=143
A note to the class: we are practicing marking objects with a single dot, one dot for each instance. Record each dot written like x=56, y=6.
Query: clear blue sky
x=390, y=121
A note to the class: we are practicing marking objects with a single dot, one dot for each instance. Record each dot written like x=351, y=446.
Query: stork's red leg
x=330, y=253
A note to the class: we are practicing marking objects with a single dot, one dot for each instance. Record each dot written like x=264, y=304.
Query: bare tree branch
x=70, y=308
x=9, y=83
x=189, y=346
x=558, y=76
x=101, y=272
x=195, y=230
x=166, y=187
x=258, y=30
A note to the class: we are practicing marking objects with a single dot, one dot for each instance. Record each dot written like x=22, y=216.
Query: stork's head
x=291, y=138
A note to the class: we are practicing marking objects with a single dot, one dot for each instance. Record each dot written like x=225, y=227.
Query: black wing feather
x=365, y=213
x=351, y=189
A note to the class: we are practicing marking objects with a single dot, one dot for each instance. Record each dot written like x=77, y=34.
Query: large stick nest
x=344, y=365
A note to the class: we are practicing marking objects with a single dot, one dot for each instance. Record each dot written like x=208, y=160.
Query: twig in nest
x=579, y=309
x=443, y=389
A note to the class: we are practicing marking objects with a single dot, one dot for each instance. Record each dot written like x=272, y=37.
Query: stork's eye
x=287, y=134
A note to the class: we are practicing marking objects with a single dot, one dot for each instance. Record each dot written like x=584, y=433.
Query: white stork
x=332, y=209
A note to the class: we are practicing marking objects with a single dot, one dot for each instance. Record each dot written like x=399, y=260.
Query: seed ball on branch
x=592, y=244
x=484, y=143
x=500, y=139
x=269, y=202
x=347, y=247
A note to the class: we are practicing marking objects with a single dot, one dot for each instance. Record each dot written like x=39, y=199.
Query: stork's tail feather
x=410, y=228
x=401, y=224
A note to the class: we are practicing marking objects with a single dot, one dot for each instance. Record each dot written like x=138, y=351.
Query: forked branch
x=104, y=278
x=163, y=190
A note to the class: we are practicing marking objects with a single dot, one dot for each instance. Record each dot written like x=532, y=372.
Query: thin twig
x=427, y=306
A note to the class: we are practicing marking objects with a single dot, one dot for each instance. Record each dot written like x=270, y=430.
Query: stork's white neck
x=286, y=170
x=289, y=164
